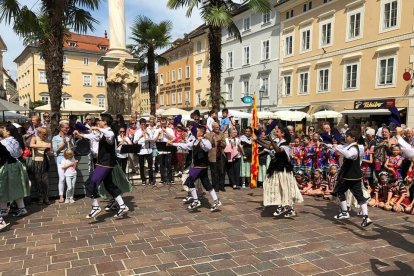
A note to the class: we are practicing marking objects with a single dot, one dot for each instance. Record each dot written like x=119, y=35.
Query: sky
x=156, y=10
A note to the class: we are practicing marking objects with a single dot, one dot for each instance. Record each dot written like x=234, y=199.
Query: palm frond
x=80, y=20
x=218, y=16
x=88, y=4
x=232, y=28
x=161, y=60
x=259, y=5
x=9, y=9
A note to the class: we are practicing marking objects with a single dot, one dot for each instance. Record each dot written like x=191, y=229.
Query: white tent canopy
x=73, y=106
x=292, y=116
x=326, y=114
x=174, y=111
x=266, y=115
x=237, y=114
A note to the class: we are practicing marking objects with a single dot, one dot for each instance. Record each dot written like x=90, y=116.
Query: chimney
x=106, y=34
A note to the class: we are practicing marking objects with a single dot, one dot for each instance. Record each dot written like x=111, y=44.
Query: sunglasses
x=121, y=131
x=45, y=116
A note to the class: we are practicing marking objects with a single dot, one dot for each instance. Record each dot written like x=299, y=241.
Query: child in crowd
x=393, y=162
x=380, y=191
x=397, y=192
x=317, y=184
x=296, y=155
x=301, y=180
x=331, y=179
x=69, y=165
x=367, y=162
x=308, y=155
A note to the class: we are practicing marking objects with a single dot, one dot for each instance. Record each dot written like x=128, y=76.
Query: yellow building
x=144, y=104
x=347, y=56
x=83, y=78
x=201, y=65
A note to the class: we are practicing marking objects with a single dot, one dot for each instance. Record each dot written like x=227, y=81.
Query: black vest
x=351, y=169
x=280, y=162
x=200, y=157
x=106, y=153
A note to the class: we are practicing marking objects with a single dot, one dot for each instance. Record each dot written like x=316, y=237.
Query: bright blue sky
x=154, y=9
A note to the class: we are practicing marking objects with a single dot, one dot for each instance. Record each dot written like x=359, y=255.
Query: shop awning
x=368, y=112
x=289, y=107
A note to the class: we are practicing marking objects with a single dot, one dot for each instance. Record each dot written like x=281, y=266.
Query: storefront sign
x=247, y=99
x=173, y=87
x=375, y=104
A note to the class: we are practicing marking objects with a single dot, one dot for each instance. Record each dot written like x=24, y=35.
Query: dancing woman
x=279, y=187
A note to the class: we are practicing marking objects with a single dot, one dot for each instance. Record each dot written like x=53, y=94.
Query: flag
x=254, y=171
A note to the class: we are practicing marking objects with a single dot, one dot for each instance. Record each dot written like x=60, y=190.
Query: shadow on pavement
x=404, y=269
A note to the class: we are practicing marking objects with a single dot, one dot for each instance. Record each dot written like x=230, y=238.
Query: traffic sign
x=247, y=99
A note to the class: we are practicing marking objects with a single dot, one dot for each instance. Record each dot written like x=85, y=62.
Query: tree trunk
x=214, y=40
x=152, y=87
x=52, y=48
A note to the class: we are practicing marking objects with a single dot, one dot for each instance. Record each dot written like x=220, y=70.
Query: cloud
x=155, y=9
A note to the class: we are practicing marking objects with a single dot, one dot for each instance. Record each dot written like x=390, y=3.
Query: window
x=65, y=59
x=198, y=45
x=229, y=91
x=198, y=72
x=386, y=71
x=307, y=6
x=264, y=83
x=355, y=24
x=162, y=99
x=287, y=85
x=246, y=24
x=161, y=79
x=246, y=55
x=198, y=95
x=88, y=100
x=66, y=78
x=326, y=33
x=265, y=49
x=173, y=98
x=101, y=101
x=72, y=44
x=390, y=14
x=304, y=83
x=179, y=97
x=44, y=96
x=103, y=48
x=229, y=59
x=180, y=74
x=187, y=96
x=85, y=61
x=246, y=87
x=42, y=77
x=87, y=80
x=100, y=81
x=351, y=76
x=66, y=96
x=306, y=39
x=173, y=75
x=266, y=17
x=323, y=79
x=289, y=14
x=187, y=72
x=230, y=33
x=288, y=45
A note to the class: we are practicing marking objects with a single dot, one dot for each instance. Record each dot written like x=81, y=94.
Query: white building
x=252, y=64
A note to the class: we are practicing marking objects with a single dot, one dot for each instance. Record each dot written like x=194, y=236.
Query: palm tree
x=218, y=14
x=149, y=37
x=47, y=29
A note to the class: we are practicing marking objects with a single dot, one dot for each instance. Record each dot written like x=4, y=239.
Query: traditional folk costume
x=264, y=161
x=308, y=158
x=106, y=161
x=280, y=186
x=199, y=170
x=246, y=161
x=350, y=178
x=14, y=181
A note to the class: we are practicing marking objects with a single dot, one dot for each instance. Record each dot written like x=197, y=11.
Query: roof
x=2, y=44
x=86, y=42
x=186, y=39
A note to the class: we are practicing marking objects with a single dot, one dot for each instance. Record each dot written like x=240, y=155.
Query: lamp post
x=261, y=92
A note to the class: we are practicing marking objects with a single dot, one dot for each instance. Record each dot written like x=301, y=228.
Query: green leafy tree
x=148, y=37
x=218, y=14
x=47, y=28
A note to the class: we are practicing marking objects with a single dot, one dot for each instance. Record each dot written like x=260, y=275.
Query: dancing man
x=106, y=161
x=350, y=177
x=200, y=148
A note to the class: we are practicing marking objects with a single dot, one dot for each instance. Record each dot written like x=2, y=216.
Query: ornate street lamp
x=262, y=90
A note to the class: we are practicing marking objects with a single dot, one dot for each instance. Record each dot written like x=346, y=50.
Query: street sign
x=247, y=99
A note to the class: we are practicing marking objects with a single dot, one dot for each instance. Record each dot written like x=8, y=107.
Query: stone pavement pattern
x=160, y=237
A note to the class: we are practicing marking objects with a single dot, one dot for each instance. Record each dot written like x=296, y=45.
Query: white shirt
x=94, y=136
x=210, y=122
x=127, y=141
x=71, y=171
x=146, y=140
x=406, y=148
x=164, y=137
x=350, y=152
x=108, y=134
x=13, y=146
x=204, y=144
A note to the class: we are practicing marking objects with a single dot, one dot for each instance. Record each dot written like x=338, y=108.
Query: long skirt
x=14, y=182
x=245, y=166
x=280, y=188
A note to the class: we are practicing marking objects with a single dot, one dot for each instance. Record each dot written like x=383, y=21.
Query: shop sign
x=247, y=99
x=173, y=87
x=375, y=104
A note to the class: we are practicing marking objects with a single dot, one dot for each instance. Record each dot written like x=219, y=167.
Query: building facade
x=175, y=80
x=348, y=56
x=10, y=85
x=3, y=48
x=83, y=78
x=144, y=104
x=252, y=65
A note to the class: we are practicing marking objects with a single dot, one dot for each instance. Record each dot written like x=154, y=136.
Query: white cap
x=370, y=131
x=16, y=125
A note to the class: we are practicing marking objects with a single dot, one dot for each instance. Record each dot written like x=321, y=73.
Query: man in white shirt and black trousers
x=350, y=177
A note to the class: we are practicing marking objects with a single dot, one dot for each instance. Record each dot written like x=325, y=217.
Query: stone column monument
x=119, y=63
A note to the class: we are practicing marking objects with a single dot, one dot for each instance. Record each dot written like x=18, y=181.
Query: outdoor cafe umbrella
x=73, y=106
x=174, y=111
x=292, y=116
x=8, y=106
x=326, y=114
x=266, y=115
x=8, y=115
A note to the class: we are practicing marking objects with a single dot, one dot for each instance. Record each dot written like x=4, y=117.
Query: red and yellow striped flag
x=254, y=171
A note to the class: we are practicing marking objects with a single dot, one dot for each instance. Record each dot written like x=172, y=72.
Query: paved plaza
x=161, y=238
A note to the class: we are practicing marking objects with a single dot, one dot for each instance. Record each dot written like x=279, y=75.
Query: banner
x=254, y=170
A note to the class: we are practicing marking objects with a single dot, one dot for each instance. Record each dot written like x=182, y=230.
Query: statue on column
x=121, y=85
